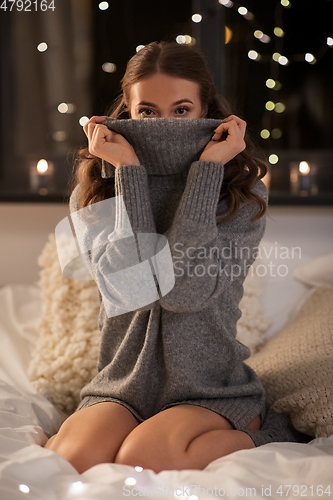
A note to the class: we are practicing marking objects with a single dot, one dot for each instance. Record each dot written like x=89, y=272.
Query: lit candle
x=41, y=177
x=304, y=169
x=303, y=178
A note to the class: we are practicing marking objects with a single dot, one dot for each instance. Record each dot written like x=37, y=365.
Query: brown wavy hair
x=183, y=61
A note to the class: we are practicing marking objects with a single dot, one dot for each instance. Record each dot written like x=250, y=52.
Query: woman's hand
x=222, y=151
x=108, y=145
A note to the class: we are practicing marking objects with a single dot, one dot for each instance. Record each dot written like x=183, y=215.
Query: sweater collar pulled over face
x=164, y=146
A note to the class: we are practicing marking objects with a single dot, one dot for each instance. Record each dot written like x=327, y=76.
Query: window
x=273, y=63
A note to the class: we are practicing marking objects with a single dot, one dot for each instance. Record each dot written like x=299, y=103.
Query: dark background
x=81, y=38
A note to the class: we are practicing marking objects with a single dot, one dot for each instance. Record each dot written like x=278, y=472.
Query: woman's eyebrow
x=146, y=103
x=182, y=100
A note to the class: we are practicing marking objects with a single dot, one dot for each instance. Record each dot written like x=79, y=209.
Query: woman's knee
x=78, y=452
x=49, y=442
x=161, y=442
x=136, y=453
x=93, y=435
x=150, y=450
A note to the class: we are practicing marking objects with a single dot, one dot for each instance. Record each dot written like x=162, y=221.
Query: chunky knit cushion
x=296, y=366
x=66, y=353
x=65, y=358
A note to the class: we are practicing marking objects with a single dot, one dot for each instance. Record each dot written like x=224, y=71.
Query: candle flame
x=42, y=166
x=304, y=167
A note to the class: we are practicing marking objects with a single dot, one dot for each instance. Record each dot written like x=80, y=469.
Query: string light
x=24, y=488
x=226, y=3
x=66, y=107
x=180, y=39
x=273, y=159
x=184, y=39
x=265, y=133
x=42, y=47
x=60, y=135
x=310, y=58
x=246, y=13
x=273, y=84
x=279, y=107
x=261, y=36
x=242, y=11
x=103, y=6
x=130, y=481
x=276, y=133
x=83, y=120
x=282, y=60
x=109, y=67
x=270, y=105
x=76, y=487
x=278, y=32
x=197, y=18
x=253, y=54
x=265, y=39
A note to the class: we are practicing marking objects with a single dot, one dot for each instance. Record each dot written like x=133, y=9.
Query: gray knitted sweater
x=180, y=346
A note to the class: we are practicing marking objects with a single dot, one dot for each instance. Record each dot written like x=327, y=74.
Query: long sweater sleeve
x=125, y=282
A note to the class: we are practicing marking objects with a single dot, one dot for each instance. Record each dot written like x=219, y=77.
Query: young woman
x=172, y=390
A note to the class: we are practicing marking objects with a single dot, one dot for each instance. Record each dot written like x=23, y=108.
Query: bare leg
x=215, y=444
x=183, y=437
x=93, y=435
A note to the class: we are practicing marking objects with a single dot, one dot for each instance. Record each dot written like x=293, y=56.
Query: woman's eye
x=182, y=110
x=145, y=111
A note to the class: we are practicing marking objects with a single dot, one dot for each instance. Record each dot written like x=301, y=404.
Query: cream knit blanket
x=296, y=366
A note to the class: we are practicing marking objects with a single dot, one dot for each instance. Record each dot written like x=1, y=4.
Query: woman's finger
x=229, y=126
x=90, y=125
x=241, y=123
x=101, y=134
x=237, y=119
x=93, y=119
x=219, y=131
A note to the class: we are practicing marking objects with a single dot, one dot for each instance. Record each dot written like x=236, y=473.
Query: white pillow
x=281, y=293
x=317, y=272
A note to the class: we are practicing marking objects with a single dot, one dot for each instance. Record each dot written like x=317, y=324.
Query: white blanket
x=275, y=470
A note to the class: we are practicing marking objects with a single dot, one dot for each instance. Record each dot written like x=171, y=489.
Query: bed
x=276, y=470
